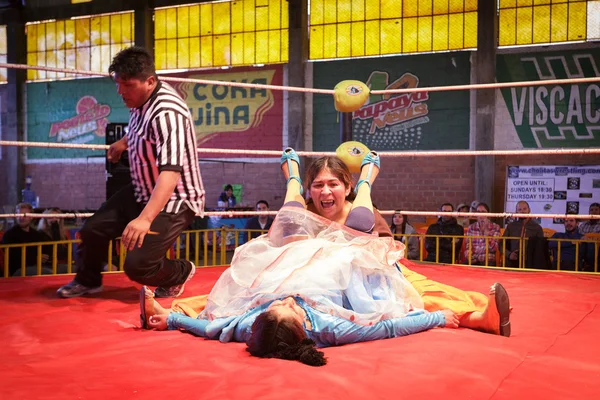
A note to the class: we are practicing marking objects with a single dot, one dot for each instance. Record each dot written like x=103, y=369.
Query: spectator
x=521, y=228
x=447, y=246
x=55, y=229
x=401, y=226
x=22, y=233
x=262, y=222
x=483, y=227
x=568, y=248
x=593, y=225
x=227, y=197
x=463, y=221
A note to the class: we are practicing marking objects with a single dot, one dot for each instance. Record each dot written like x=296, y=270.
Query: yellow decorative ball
x=352, y=154
x=349, y=96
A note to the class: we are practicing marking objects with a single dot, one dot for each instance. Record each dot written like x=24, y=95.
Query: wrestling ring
x=92, y=347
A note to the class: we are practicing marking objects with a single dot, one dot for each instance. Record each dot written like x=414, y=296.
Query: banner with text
x=234, y=117
x=75, y=111
x=561, y=189
x=409, y=121
x=548, y=116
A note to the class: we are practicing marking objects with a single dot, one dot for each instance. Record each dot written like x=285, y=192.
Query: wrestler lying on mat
x=319, y=278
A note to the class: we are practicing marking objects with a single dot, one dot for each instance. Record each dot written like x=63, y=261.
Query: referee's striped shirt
x=161, y=137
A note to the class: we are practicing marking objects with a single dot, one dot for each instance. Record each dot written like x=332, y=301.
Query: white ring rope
x=277, y=153
x=325, y=91
x=387, y=212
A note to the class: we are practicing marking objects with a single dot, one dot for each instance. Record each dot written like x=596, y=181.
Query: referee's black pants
x=148, y=264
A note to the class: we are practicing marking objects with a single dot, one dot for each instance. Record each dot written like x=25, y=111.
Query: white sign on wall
x=558, y=189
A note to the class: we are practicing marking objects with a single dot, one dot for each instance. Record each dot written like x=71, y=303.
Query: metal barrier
x=211, y=247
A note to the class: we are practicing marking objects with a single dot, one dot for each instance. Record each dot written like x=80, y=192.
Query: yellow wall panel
x=456, y=31
x=456, y=6
x=221, y=18
x=206, y=20
x=524, y=3
x=425, y=31
x=541, y=24
x=82, y=32
x=274, y=46
x=541, y=2
x=357, y=39
x=171, y=24
x=221, y=48
x=285, y=20
x=524, y=25
x=391, y=9
x=470, y=30
x=440, y=33
x=183, y=53
x=507, y=24
x=195, y=52
x=440, y=7
x=249, y=15
x=60, y=35
x=425, y=7
x=51, y=35
x=206, y=51
x=577, y=21
x=409, y=35
x=471, y=5
x=237, y=17
x=344, y=40
x=372, y=9
x=344, y=10
x=194, y=21
x=41, y=38
x=105, y=30
x=32, y=60
x=372, y=38
x=69, y=34
x=160, y=56
x=410, y=8
x=330, y=11
x=262, y=47
x=262, y=18
x=32, y=39
x=358, y=10
x=171, y=53
x=183, y=22
x=285, y=48
x=115, y=29
x=559, y=21
x=237, y=49
x=160, y=24
x=330, y=41
x=316, y=42
x=249, y=48
x=275, y=14
x=84, y=58
x=507, y=3
x=391, y=36
x=71, y=59
x=3, y=48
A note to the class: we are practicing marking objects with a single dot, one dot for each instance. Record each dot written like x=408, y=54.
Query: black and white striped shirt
x=161, y=137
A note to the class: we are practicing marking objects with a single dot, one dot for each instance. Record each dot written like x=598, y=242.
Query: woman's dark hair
x=393, y=226
x=273, y=337
x=133, y=63
x=484, y=205
x=336, y=167
x=228, y=187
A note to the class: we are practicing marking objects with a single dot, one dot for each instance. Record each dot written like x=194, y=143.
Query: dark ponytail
x=284, y=339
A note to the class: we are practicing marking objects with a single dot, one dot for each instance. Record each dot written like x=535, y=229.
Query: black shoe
x=177, y=290
x=74, y=289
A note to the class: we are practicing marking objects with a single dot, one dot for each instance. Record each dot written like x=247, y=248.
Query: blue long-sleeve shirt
x=326, y=330
x=567, y=248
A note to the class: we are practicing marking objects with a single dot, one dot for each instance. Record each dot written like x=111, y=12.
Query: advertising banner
x=560, y=189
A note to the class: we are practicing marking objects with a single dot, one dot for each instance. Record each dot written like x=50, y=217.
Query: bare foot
x=151, y=305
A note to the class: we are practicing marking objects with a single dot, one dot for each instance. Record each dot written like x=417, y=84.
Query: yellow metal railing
x=212, y=247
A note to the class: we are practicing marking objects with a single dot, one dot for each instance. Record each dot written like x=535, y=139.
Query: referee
x=166, y=190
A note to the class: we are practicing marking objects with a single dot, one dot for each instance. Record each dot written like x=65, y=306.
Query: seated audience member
x=521, y=228
x=444, y=226
x=55, y=229
x=570, y=256
x=463, y=221
x=262, y=222
x=401, y=226
x=228, y=197
x=20, y=233
x=593, y=225
x=478, y=245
